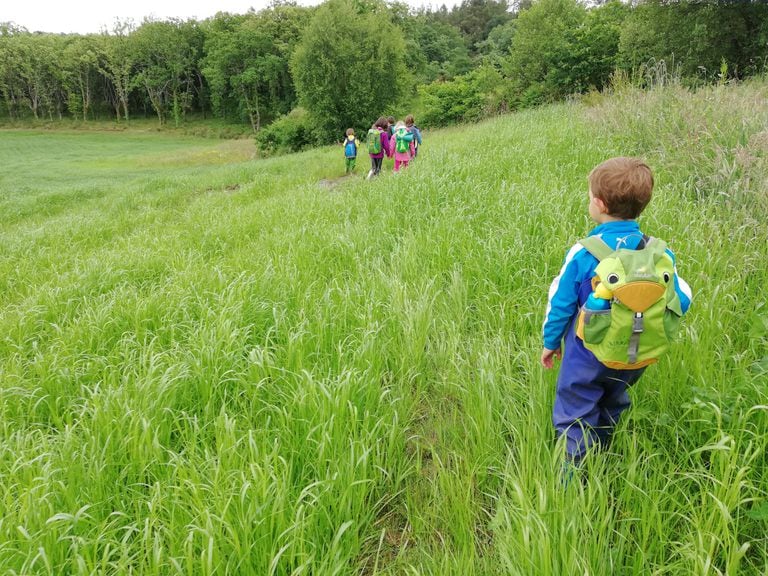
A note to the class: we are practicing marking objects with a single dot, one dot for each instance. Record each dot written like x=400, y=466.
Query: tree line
x=300, y=75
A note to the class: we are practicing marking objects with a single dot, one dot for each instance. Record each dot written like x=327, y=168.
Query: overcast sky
x=84, y=16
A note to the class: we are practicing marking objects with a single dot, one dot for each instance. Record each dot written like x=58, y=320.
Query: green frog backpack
x=633, y=313
x=374, y=141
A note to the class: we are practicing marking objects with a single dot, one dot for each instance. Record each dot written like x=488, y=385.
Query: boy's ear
x=601, y=207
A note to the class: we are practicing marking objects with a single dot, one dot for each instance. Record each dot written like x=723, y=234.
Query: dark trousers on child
x=376, y=165
x=590, y=398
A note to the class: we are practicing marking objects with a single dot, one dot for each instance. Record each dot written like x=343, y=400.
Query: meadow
x=212, y=363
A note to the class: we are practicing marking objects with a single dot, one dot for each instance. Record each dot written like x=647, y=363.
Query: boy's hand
x=548, y=356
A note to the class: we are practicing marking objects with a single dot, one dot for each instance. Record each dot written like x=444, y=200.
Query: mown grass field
x=213, y=364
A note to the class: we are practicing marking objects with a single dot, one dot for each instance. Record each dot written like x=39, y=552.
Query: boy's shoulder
x=597, y=247
x=579, y=258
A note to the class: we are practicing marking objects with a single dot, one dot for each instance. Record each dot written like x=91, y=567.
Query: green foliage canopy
x=117, y=57
x=434, y=48
x=81, y=79
x=476, y=19
x=363, y=58
x=349, y=67
x=468, y=97
x=247, y=62
x=697, y=37
x=545, y=38
x=31, y=75
x=168, y=52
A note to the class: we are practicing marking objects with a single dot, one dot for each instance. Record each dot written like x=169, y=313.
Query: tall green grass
x=213, y=364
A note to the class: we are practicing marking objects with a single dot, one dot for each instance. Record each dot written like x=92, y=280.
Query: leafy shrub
x=349, y=65
x=466, y=98
x=289, y=133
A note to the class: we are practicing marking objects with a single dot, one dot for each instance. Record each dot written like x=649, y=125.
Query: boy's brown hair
x=624, y=185
x=350, y=131
x=409, y=120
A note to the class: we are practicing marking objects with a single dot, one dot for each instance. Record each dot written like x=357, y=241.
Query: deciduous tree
x=349, y=67
x=117, y=63
x=167, y=53
x=247, y=62
x=540, y=61
x=80, y=75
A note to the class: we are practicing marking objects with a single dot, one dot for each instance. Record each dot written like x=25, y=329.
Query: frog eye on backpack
x=667, y=277
x=613, y=278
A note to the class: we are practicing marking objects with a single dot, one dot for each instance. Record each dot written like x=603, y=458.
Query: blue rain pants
x=589, y=399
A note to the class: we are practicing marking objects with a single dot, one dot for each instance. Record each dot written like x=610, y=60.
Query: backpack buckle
x=637, y=323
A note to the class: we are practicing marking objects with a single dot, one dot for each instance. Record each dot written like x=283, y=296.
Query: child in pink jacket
x=401, y=146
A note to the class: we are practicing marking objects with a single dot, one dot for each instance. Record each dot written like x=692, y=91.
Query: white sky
x=85, y=16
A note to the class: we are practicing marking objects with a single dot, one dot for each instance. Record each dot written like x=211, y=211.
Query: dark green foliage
x=541, y=56
x=349, y=67
x=81, y=77
x=434, y=49
x=247, y=63
x=476, y=95
x=289, y=133
x=117, y=62
x=475, y=19
x=697, y=37
x=496, y=47
x=364, y=58
x=32, y=75
x=597, y=44
x=167, y=54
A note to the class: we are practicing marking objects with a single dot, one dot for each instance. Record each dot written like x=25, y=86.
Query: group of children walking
x=399, y=140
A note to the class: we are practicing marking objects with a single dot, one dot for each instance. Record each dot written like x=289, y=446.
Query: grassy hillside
x=212, y=364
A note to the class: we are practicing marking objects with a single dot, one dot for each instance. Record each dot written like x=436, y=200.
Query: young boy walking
x=591, y=396
x=350, y=150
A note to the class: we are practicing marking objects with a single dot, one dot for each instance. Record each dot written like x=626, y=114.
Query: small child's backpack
x=643, y=312
x=403, y=138
x=374, y=141
x=350, y=148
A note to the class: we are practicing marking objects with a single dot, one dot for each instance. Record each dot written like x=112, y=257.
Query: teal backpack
x=633, y=313
x=403, y=139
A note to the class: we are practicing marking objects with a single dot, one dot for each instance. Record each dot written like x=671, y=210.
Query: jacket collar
x=616, y=227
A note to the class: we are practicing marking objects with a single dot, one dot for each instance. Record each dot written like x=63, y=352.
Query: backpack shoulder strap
x=597, y=247
x=657, y=243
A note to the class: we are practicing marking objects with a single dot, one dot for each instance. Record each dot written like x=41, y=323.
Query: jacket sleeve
x=385, y=143
x=563, y=301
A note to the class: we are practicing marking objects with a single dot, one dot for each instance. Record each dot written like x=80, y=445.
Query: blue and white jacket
x=572, y=286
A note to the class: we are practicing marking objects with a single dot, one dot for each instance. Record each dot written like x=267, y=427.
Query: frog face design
x=636, y=278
